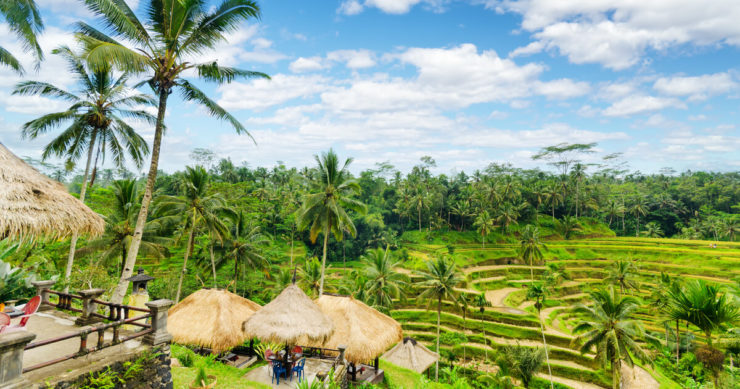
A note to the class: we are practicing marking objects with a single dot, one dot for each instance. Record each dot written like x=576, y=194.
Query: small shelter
x=33, y=205
x=412, y=355
x=210, y=318
x=366, y=332
x=291, y=318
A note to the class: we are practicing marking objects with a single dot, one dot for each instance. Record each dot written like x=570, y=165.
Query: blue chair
x=298, y=369
x=277, y=370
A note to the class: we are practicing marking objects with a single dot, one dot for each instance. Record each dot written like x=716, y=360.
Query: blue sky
x=468, y=82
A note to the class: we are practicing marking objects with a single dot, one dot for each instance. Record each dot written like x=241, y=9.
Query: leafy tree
x=653, y=230
x=96, y=121
x=507, y=215
x=704, y=306
x=384, y=283
x=324, y=211
x=523, y=362
x=244, y=245
x=438, y=283
x=639, y=208
x=311, y=276
x=160, y=46
x=530, y=247
x=608, y=327
x=624, y=274
x=484, y=223
x=567, y=226
x=24, y=21
x=613, y=210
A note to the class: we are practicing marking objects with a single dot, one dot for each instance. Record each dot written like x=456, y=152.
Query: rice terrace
x=447, y=194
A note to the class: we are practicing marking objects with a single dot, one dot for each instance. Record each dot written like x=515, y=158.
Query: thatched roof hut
x=290, y=318
x=33, y=205
x=366, y=332
x=411, y=355
x=210, y=318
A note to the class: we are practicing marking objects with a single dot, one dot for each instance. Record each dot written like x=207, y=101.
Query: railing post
x=11, y=359
x=342, y=348
x=42, y=289
x=89, y=306
x=159, y=332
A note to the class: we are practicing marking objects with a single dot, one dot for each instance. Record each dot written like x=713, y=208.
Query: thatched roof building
x=33, y=205
x=291, y=318
x=210, y=318
x=366, y=332
x=411, y=355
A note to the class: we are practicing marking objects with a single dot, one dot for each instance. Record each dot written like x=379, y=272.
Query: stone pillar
x=89, y=306
x=42, y=289
x=342, y=348
x=11, y=359
x=159, y=332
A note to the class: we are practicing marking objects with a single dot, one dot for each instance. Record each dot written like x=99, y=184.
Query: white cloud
x=310, y=64
x=350, y=7
x=563, y=88
x=550, y=134
x=394, y=7
x=638, y=104
x=260, y=94
x=697, y=87
x=353, y=59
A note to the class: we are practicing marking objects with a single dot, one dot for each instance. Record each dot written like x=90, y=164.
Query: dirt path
x=641, y=379
x=573, y=384
x=498, y=296
x=553, y=329
x=474, y=269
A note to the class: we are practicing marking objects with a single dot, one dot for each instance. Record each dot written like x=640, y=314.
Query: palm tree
x=324, y=210
x=613, y=210
x=312, y=276
x=578, y=173
x=161, y=46
x=554, y=197
x=567, y=226
x=730, y=228
x=482, y=302
x=197, y=208
x=95, y=121
x=243, y=246
x=507, y=215
x=530, y=247
x=623, y=273
x=639, y=208
x=119, y=227
x=608, y=327
x=653, y=230
x=439, y=282
x=420, y=201
x=539, y=292
x=463, y=303
x=524, y=362
x=461, y=208
x=484, y=223
x=707, y=308
x=383, y=282
x=23, y=20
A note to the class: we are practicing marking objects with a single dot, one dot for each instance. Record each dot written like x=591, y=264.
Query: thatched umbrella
x=290, y=318
x=210, y=318
x=366, y=332
x=33, y=205
x=411, y=355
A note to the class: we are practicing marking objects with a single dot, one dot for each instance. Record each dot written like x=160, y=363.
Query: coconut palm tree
x=438, y=283
x=523, y=362
x=484, y=223
x=624, y=274
x=707, y=307
x=482, y=302
x=463, y=302
x=730, y=228
x=538, y=293
x=24, y=21
x=639, y=208
x=197, y=209
x=554, y=197
x=613, y=210
x=244, y=246
x=653, y=230
x=384, y=283
x=324, y=211
x=508, y=215
x=312, y=274
x=567, y=226
x=119, y=227
x=161, y=48
x=530, y=247
x=96, y=121
x=608, y=327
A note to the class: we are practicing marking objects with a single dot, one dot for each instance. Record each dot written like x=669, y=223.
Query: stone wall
x=149, y=369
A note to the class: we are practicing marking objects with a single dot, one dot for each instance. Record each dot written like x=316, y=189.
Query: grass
x=399, y=377
x=228, y=376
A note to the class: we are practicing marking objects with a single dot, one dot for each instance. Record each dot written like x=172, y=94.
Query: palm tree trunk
x=678, y=342
x=292, y=232
x=439, y=315
x=547, y=354
x=323, y=261
x=213, y=265
x=616, y=373
x=419, y=209
x=133, y=249
x=83, y=191
x=637, y=233
x=185, y=260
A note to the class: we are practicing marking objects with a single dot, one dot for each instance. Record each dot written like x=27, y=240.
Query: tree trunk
x=678, y=343
x=323, y=261
x=637, y=233
x=185, y=260
x=213, y=265
x=292, y=232
x=616, y=373
x=419, y=209
x=83, y=191
x=133, y=249
x=439, y=315
x=547, y=354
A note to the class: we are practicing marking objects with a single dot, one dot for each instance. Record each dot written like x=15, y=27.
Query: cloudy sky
x=468, y=82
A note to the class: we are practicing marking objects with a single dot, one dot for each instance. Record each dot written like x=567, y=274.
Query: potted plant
x=203, y=381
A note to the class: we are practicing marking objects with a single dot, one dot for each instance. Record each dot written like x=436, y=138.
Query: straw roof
x=290, y=318
x=210, y=318
x=33, y=205
x=366, y=332
x=411, y=355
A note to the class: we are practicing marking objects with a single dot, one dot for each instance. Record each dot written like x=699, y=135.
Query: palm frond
x=120, y=18
x=29, y=88
x=191, y=93
x=219, y=74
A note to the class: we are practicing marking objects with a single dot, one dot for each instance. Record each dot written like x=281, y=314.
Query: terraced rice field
x=502, y=277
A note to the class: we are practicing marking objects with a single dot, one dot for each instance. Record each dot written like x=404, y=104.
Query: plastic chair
x=4, y=321
x=28, y=310
x=277, y=370
x=298, y=369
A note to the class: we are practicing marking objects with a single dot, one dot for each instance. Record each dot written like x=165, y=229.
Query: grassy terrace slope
x=496, y=271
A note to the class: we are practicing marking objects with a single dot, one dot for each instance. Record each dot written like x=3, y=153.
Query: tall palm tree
x=507, y=215
x=197, y=208
x=730, y=228
x=554, y=197
x=324, y=211
x=613, y=210
x=160, y=48
x=608, y=327
x=523, y=362
x=119, y=227
x=438, y=283
x=243, y=246
x=96, y=121
x=463, y=302
x=567, y=226
x=653, y=230
x=530, y=247
x=384, y=283
x=484, y=223
x=578, y=173
x=624, y=274
x=482, y=302
x=24, y=21
x=539, y=292
x=639, y=208
x=461, y=208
